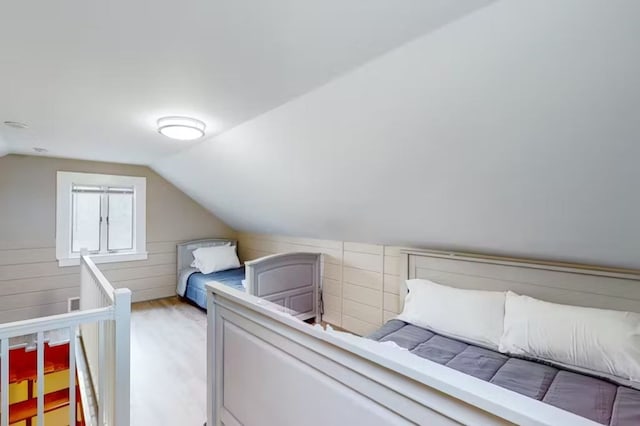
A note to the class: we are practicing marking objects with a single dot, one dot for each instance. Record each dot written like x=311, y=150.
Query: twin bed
x=326, y=377
x=590, y=397
x=291, y=280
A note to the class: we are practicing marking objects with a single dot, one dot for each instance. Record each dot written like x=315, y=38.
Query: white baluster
x=72, y=376
x=122, y=353
x=40, y=370
x=101, y=375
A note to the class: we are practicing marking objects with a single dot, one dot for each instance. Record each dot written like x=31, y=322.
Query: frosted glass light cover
x=181, y=128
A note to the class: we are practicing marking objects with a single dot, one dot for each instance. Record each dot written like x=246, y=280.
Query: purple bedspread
x=586, y=396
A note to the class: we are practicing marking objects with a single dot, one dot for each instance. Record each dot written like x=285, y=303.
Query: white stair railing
x=39, y=327
x=107, y=344
x=104, y=327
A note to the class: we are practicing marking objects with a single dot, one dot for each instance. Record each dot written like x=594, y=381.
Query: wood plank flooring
x=168, y=364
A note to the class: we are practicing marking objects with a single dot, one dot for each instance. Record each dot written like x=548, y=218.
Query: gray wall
x=32, y=284
x=514, y=130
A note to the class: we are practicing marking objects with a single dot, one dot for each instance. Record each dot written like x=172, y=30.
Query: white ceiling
x=513, y=130
x=90, y=78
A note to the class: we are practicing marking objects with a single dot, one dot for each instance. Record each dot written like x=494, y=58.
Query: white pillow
x=214, y=259
x=475, y=316
x=593, y=340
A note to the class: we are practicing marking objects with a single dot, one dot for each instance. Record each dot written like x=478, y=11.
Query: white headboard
x=185, y=250
x=554, y=282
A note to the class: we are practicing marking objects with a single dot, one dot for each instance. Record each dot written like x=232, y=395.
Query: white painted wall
x=513, y=130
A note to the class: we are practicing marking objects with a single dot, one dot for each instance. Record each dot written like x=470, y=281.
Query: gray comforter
x=586, y=396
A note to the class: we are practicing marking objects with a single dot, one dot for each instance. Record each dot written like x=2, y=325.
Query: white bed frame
x=291, y=280
x=267, y=368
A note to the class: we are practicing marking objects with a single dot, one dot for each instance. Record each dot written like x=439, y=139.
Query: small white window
x=103, y=214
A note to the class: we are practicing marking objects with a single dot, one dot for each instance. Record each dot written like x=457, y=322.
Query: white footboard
x=267, y=368
x=291, y=280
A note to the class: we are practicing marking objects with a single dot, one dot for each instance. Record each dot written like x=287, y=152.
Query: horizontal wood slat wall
x=360, y=281
x=32, y=284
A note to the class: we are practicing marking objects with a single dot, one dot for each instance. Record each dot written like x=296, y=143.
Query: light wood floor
x=168, y=364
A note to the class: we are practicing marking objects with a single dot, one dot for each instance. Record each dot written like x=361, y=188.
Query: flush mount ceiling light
x=181, y=128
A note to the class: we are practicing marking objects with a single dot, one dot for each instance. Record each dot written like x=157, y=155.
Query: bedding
x=594, y=398
x=191, y=284
x=215, y=258
x=476, y=316
x=599, y=341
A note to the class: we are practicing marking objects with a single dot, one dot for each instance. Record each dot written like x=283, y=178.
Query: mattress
x=196, y=291
x=591, y=397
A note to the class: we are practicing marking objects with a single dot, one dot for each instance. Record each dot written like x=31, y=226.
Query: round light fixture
x=181, y=128
x=16, y=124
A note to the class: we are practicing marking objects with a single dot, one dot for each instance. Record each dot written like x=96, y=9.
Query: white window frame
x=65, y=183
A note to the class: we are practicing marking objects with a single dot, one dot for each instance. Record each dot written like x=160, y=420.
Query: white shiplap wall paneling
x=360, y=281
x=26, y=256
x=363, y=268
x=32, y=284
x=391, y=302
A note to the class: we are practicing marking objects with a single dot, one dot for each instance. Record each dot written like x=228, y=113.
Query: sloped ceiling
x=513, y=130
x=92, y=77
